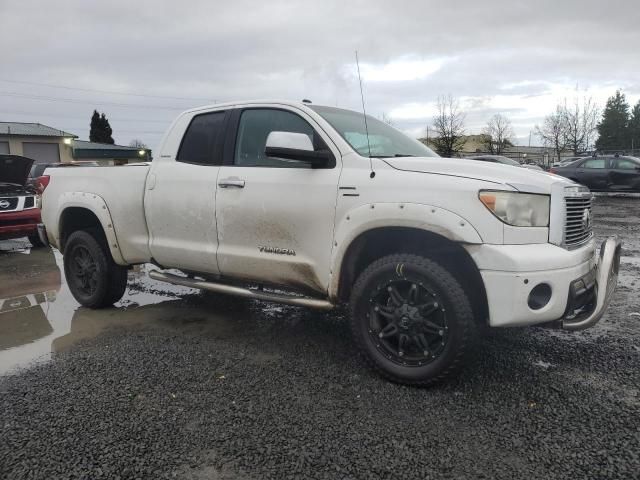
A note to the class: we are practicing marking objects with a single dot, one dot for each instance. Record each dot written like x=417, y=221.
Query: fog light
x=539, y=296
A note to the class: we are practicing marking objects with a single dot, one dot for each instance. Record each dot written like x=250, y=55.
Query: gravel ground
x=203, y=387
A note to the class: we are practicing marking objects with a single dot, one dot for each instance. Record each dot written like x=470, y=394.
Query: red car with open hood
x=19, y=212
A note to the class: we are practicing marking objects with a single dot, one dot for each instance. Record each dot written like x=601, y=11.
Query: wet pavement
x=174, y=383
x=39, y=316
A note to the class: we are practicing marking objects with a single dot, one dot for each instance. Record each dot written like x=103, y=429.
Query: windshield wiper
x=396, y=155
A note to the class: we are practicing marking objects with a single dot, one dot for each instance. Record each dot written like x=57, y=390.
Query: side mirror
x=296, y=147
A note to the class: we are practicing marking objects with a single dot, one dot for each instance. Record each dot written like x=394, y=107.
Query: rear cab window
x=203, y=140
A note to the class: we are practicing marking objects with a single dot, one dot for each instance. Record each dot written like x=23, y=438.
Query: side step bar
x=241, y=292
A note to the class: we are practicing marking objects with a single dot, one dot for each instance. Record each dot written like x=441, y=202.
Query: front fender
x=95, y=204
x=411, y=215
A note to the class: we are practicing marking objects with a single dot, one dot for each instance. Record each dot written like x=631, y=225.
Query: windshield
x=384, y=140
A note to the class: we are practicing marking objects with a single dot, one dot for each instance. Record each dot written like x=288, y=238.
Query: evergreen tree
x=100, y=130
x=634, y=127
x=106, y=128
x=614, y=126
x=95, y=130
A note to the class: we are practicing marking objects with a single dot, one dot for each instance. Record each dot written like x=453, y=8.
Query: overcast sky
x=141, y=62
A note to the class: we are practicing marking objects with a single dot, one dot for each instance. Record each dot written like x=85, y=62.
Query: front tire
x=410, y=319
x=94, y=279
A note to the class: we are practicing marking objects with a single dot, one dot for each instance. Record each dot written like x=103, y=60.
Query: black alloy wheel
x=84, y=270
x=411, y=319
x=408, y=322
x=94, y=279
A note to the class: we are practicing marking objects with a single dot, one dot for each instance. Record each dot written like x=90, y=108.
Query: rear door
x=180, y=198
x=625, y=174
x=593, y=173
x=276, y=216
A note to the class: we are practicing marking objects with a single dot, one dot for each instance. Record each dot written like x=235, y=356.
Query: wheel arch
x=378, y=242
x=83, y=211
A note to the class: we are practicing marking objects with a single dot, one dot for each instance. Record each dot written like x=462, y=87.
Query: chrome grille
x=577, y=225
x=8, y=204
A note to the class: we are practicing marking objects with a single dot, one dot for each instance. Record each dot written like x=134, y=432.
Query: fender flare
x=371, y=216
x=96, y=205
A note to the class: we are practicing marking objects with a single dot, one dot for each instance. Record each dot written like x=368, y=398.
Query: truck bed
x=122, y=189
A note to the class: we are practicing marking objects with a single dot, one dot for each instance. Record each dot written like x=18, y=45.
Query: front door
x=275, y=216
x=181, y=196
x=594, y=174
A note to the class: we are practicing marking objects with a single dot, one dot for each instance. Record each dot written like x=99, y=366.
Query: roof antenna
x=364, y=114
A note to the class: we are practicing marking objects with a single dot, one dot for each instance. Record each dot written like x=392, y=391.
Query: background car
x=604, y=172
x=505, y=161
x=19, y=212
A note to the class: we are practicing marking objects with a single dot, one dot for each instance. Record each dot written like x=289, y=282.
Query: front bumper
x=585, y=308
x=19, y=224
x=579, y=283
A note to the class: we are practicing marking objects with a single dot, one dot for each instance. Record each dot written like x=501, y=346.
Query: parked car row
x=603, y=172
x=599, y=172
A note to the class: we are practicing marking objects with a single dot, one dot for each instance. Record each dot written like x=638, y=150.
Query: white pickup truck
x=306, y=205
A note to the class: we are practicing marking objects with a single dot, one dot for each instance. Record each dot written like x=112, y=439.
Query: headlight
x=517, y=209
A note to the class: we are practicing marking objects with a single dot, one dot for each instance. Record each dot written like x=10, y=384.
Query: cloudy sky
x=142, y=62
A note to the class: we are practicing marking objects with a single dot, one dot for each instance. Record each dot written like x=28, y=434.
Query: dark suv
x=604, y=172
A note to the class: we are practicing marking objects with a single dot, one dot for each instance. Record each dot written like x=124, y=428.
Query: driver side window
x=253, y=129
x=594, y=163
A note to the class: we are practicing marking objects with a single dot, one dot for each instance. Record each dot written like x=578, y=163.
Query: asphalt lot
x=176, y=384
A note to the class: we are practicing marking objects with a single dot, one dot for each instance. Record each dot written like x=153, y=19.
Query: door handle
x=231, y=183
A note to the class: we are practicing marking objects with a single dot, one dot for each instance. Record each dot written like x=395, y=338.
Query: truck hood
x=522, y=179
x=14, y=169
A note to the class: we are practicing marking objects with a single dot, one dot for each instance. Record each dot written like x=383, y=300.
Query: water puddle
x=38, y=314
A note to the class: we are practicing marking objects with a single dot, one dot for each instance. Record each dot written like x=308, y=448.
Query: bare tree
x=498, y=133
x=449, y=127
x=137, y=143
x=581, y=124
x=553, y=132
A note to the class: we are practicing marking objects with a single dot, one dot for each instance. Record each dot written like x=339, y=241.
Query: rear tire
x=410, y=319
x=94, y=279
